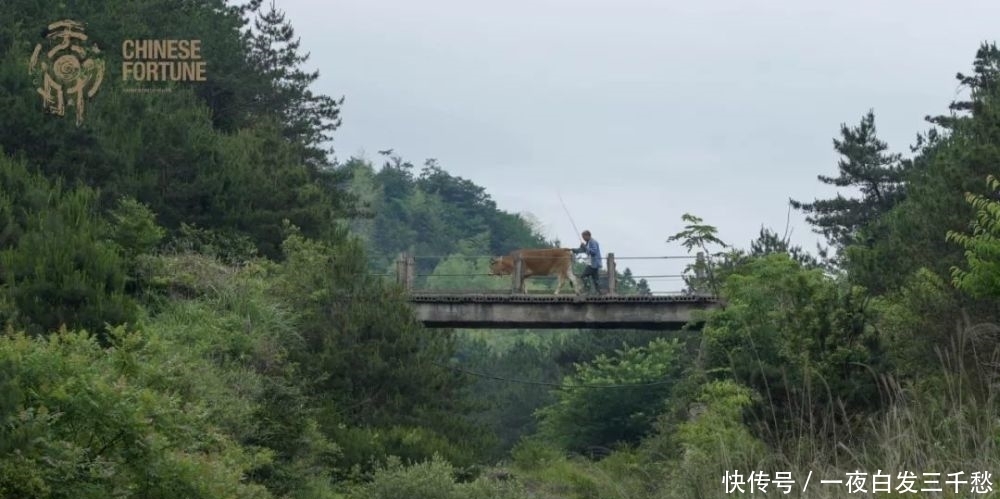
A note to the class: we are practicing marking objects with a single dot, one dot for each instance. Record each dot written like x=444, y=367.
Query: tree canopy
x=195, y=303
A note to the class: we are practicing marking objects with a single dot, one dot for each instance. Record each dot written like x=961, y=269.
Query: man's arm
x=581, y=249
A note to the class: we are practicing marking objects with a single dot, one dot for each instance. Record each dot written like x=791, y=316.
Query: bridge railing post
x=700, y=274
x=411, y=269
x=404, y=271
x=518, y=275
x=612, y=274
x=400, y=269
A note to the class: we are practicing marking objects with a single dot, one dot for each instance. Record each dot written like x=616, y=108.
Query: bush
x=432, y=479
x=79, y=421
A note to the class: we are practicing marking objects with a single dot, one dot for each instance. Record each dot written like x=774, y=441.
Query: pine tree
x=983, y=85
x=865, y=165
x=950, y=164
x=309, y=119
x=643, y=288
x=769, y=242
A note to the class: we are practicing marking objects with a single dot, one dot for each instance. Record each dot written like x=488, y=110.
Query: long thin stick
x=568, y=215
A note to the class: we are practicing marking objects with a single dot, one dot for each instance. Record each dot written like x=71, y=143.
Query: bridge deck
x=547, y=311
x=500, y=297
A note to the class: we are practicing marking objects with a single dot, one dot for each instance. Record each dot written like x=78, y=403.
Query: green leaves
x=73, y=424
x=366, y=358
x=784, y=328
x=866, y=165
x=59, y=269
x=613, y=399
x=717, y=424
x=950, y=162
x=982, y=247
x=433, y=479
x=696, y=234
x=133, y=228
x=432, y=214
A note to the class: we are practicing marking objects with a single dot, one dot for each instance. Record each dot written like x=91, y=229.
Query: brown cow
x=539, y=262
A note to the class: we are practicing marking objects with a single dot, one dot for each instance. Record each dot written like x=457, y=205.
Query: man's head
x=586, y=235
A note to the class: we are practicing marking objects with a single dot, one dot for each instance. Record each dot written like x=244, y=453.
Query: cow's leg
x=574, y=281
x=559, y=281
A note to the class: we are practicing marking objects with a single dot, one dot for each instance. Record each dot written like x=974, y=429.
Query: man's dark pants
x=592, y=273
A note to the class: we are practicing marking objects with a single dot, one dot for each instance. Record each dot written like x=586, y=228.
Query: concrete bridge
x=517, y=308
x=510, y=311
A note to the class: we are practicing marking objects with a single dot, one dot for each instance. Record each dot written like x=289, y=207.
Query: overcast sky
x=637, y=111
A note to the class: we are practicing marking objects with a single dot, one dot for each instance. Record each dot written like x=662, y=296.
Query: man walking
x=593, y=250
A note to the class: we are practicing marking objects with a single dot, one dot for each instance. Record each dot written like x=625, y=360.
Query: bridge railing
x=417, y=274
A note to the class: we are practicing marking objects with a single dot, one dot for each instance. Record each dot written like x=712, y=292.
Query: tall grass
x=944, y=422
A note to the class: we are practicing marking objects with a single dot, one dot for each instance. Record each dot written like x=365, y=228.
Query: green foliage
x=353, y=323
x=79, y=421
x=368, y=193
x=283, y=86
x=718, y=422
x=261, y=182
x=187, y=275
x=982, y=248
x=785, y=330
x=134, y=229
x=715, y=437
x=915, y=321
x=527, y=364
x=433, y=479
x=951, y=161
x=736, y=260
x=460, y=273
x=449, y=224
x=239, y=341
x=697, y=235
x=432, y=214
x=613, y=400
x=865, y=164
x=227, y=246
x=238, y=153
x=582, y=347
x=507, y=408
x=549, y=473
x=270, y=364
x=533, y=453
x=768, y=243
x=627, y=285
x=58, y=267
x=365, y=448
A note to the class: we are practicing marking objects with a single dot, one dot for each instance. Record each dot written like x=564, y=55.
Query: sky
x=636, y=112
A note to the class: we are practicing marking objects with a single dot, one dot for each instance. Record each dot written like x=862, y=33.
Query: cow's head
x=501, y=266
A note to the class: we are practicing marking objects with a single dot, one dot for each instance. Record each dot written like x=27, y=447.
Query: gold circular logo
x=69, y=71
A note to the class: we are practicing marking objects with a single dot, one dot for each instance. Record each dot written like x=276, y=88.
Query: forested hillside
x=449, y=225
x=195, y=304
